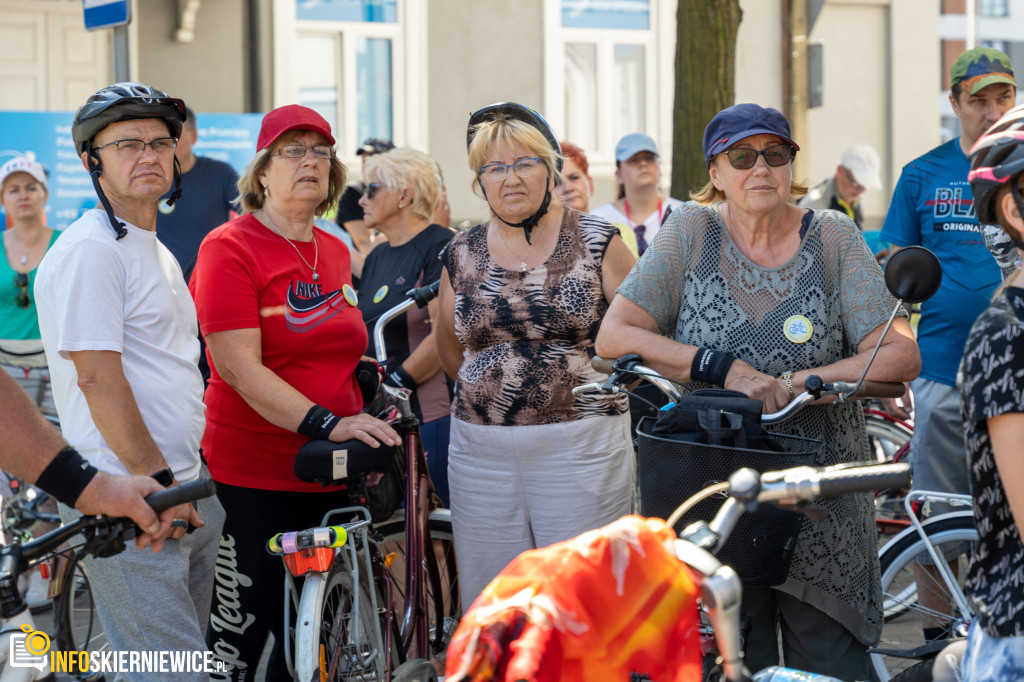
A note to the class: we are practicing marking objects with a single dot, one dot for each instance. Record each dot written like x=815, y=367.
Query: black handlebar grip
x=602, y=365
x=882, y=389
x=424, y=295
x=864, y=479
x=186, y=492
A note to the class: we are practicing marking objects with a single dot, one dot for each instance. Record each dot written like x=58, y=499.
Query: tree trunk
x=705, y=83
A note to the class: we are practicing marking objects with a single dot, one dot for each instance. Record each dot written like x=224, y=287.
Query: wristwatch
x=164, y=477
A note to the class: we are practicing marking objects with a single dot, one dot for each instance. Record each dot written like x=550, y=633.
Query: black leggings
x=248, y=590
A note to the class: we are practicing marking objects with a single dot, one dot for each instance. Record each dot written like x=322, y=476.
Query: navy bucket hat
x=741, y=121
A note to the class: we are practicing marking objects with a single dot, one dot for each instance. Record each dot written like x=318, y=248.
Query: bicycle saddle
x=326, y=462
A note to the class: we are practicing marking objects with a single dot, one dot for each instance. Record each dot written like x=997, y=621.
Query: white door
x=49, y=61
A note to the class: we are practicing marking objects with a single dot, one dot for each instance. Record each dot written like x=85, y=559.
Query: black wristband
x=399, y=378
x=711, y=366
x=319, y=423
x=66, y=476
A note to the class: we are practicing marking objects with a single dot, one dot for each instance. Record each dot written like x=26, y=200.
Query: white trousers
x=516, y=488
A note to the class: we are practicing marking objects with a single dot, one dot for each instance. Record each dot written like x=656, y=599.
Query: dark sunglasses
x=21, y=299
x=371, y=190
x=742, y=158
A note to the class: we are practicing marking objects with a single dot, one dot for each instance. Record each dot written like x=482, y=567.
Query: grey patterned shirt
x=701, y=290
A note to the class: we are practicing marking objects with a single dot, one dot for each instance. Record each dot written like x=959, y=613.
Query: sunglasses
x=21, y=299
x=371, y=190
x=742, y=158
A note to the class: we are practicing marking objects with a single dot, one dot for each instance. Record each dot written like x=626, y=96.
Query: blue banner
x=226, y=137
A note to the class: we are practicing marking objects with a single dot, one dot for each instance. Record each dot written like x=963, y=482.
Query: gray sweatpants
x=158, y=602
x=516, y=488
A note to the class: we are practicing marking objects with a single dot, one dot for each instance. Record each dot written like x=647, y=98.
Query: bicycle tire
x=324, y=621
x=393, y=540
x=951, y=535
x=922, y=672
x=885, y=436
x=76, y=623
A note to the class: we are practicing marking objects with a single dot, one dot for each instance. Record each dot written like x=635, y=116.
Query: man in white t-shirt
x=639, y=205
x=121, y=339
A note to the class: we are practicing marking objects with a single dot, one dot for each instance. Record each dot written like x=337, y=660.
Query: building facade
x=413, y=70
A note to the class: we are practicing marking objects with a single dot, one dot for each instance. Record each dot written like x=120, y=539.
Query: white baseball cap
x=862, y=160
x=24, y=164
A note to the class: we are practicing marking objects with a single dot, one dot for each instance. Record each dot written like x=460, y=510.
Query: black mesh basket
x=669, y=472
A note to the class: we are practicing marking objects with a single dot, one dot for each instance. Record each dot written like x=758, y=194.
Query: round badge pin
x=797, y=328
x=381, y=293
x=350, y=295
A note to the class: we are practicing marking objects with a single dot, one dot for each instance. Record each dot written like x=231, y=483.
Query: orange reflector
x=312, y=560
x=389, y=558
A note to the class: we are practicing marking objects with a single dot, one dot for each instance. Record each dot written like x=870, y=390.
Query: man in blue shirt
x=209, y=188
x=933, y=207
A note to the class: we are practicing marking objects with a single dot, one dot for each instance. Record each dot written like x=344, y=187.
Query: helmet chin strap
x=532, y=221
x=95, y=171
x=176, y=194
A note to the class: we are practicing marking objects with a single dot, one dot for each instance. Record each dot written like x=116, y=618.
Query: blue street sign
x=106, y=13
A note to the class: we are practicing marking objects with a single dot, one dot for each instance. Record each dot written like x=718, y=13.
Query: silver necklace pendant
x=316, y=277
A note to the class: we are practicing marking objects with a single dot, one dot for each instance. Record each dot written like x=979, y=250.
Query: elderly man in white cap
x=857, y=172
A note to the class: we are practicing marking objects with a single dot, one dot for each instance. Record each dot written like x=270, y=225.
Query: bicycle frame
x=9, y=627
x=414, y=625
x=966, y=612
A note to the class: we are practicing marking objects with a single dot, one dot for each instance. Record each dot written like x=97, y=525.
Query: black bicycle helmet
x=125, y=102
x=518, y=112
x=997, y=157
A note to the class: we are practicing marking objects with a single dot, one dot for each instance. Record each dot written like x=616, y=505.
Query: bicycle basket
x=669, y=472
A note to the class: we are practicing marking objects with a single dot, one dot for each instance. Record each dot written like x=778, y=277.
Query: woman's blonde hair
x=405, y=167
x=709, y=194
x=250, y=190
x=504, y=130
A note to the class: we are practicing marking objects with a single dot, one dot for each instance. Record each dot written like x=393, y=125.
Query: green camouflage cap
x=981, y=67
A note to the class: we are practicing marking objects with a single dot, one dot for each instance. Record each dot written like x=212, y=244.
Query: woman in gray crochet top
x=746, y=291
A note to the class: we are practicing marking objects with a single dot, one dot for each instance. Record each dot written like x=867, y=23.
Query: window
x=607, y=75
x=994, y=8
x=346, y=61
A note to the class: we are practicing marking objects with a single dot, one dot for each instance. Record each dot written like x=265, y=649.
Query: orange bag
x=598, y=607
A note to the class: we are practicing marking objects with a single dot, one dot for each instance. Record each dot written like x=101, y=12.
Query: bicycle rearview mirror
x=913, y=274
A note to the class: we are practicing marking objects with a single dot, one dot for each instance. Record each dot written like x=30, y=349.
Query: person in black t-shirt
x=991, y=382
x=403, y=187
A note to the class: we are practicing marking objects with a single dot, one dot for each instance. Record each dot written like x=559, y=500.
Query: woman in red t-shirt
x=276, y=305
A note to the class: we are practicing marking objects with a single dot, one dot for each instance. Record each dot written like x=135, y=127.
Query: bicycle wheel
x=75, y=620
x=329, y=643
x=393, y=534
x=887, y=440
x=952, y=535
x=885, y=436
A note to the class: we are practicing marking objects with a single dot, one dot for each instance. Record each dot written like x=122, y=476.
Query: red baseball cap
x=291, y=117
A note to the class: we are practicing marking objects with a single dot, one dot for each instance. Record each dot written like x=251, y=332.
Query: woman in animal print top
x=521, y=299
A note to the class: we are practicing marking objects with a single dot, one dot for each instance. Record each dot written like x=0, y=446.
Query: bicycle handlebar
x=418, y=298
x=628, y=367
x=159, y=501
x=804, y=484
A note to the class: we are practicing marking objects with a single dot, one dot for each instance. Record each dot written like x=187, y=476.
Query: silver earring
x=266, y=191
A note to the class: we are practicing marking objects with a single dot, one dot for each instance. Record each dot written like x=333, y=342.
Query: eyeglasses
x=321, y=152
x=524, y=168
x=161, y=145
x=742, y=158
x=21, y=299
x=371, y=190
